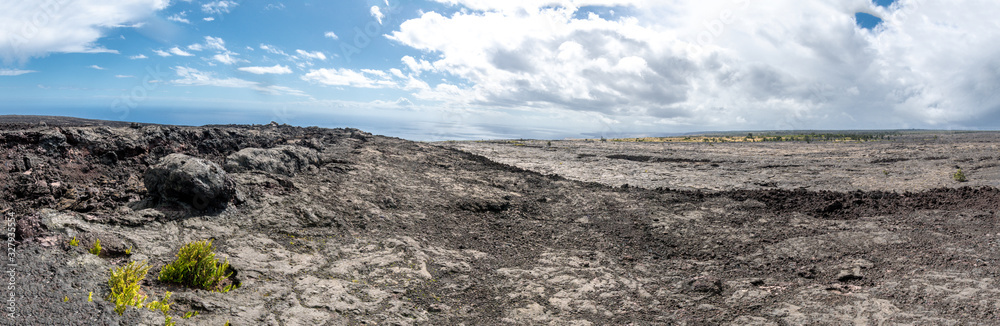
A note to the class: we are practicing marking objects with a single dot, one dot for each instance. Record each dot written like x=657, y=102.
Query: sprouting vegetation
x=124, y=284
x=959, y=176
x=96, y=248
x=196, y=266
x=126, y=291
x=74, y=242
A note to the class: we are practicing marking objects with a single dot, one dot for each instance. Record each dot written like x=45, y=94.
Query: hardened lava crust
x=342, y=227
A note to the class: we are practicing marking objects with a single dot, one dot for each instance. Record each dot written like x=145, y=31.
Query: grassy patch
x=124, y=284
x=197, y=267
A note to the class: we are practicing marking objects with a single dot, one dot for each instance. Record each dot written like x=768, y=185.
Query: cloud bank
x=36, y=28
x=732, y=64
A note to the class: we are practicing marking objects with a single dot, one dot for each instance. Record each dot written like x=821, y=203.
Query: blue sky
x=474, y=69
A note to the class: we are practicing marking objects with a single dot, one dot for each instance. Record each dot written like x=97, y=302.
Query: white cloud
x=785, y=65
x=273, y=50
x=350, y=78
x=178, y=52
x=311, y=55
x=227, y=58
x=277, y=69
x=124, y=76
x=331, y=35
x=179, y=17
x=215, y=43
x=161, y=53
x=211, y=43
x=377, y=14
x=218, y=7
x=36, y=28
x=139, y=56
x=208, y=19
x=95, y=67
x=14, y=72
x=194, y=77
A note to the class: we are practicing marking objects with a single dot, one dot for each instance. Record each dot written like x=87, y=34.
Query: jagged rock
x=190, y=180
x=287, y=160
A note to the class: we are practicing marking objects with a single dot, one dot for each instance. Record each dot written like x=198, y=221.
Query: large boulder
x=287, y=160
x=191, y=180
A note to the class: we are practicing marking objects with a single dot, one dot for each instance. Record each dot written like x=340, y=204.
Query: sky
x=479, y=69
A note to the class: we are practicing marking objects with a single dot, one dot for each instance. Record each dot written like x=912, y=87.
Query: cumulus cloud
x=36, y=28
x=731, y=64
x=96, y=67
x=194, y=77
x=178, y=52
x=211, y=43
x=227, y=58
x=346, y=77
x=310, y=55
x=277, y=69
x=179, y=17
x=208, y=19
x=161, y=53
x=139, y=56
x=377, y=14
x=331, y=35
x=218, y=7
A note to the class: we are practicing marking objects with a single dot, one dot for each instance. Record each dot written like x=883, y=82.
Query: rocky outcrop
x=185, y=179
x=286, y=160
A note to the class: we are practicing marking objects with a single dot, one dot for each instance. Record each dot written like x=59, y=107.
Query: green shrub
x=197, y=267
x=959, y=176
x=125, y=291
x=74, y=242
x=163, y=307
x=96, y=249
x=124, y=284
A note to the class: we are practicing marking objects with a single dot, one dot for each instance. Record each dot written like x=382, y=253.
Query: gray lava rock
x=186, y=179
x=286, y=160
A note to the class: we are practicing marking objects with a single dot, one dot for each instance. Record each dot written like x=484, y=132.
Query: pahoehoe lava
x=339, y=226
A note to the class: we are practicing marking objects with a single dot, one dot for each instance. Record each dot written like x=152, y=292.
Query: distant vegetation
x=860, y=136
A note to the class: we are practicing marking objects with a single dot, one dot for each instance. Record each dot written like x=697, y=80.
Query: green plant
x=124, y=284
x=90, y=297
x=163, y=307
x=125, y=291
x=96, y=249
x=74, y=242
x=959, y=176
x=197, y=267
